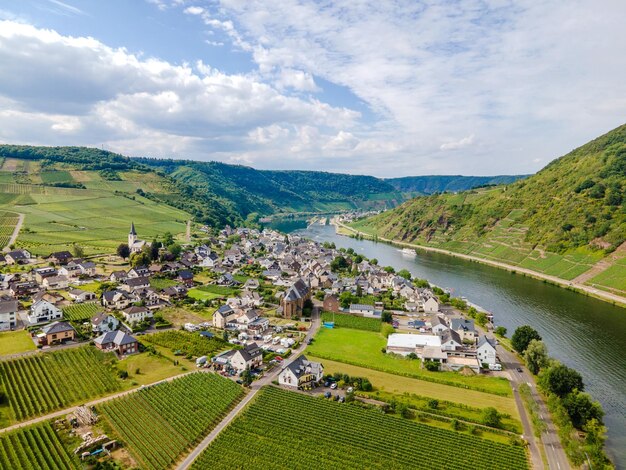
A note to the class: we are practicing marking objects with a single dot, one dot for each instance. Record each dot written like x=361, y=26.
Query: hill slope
x=448, y=183
x=560, y=221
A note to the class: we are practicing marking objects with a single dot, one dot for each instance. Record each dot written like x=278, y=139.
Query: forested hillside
x=448, y=183
x=560, y=221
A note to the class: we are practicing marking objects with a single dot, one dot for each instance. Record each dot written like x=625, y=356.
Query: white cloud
x=458, y=144
x=296, y=79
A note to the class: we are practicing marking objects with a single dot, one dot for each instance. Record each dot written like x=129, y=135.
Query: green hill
x=448, y=183
x=561, y=221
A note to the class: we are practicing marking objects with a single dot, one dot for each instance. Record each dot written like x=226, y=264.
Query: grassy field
x=160, y=283
x=613, y=278
x=159, y=423
x=38, y=384
x=364, y=348
x=97, y=218
x=352, y=321
x=273, y=434
x=35, y=447
x=145, y=368
x=400, y=385
x=211, y=292
x=13, y=342
x=8, y=220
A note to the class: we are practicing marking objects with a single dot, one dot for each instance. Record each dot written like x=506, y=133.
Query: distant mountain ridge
x=448, y=183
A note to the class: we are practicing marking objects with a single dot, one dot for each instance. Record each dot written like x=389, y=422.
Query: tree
x=522, y=337
x=123, y=251
x=154, y=249
x=359, y=291
x=536, y=356
x=500, y=331
x=491, y=417
x=168, y=239
x=373, y=261
x=561, y=380
x=139, y=259
x=433, y=403
x=389, y=269
x=386, y=317
x=339, y=264
x=78, y=250
x=345, y=299
x=405, y=274
x=581, y=409
x=481, y=318
x=175, y=249
x=432, y=366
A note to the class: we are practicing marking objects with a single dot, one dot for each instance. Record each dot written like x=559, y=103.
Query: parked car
x=327, y=395
x=341, y=399
x=327, y=384
x=350, y=389
x=333, y=385
x=519, y=369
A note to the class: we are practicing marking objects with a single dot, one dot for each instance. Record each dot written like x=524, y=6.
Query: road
x=254, y=389
x=557, y=460
x=597, y=293
x=58, y=414
x=16, y=232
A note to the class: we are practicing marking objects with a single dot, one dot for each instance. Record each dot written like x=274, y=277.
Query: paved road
x=58, y=414
x=557, y=460
x=606, y=296
x=254, y=389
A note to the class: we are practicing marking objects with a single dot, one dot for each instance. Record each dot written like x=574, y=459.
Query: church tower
x=132, y=235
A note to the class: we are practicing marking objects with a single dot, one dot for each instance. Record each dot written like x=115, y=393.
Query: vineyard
x=42, y=383
x=8, y=220
x=34, y=447
x=81, y=312
x=284, y=429
x=187, y=343
x=159, y=423
x=351, y=321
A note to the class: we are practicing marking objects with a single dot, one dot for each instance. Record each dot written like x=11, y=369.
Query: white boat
x=408, y=251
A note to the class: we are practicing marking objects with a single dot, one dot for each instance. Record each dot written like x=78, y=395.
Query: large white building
x=134, y=244
x=405, y=344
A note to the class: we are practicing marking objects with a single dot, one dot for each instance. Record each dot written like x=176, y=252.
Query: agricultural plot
x=34, y=447
x=351, y=321
x=159, y=423
x=14, y=342
x=344, y=436
x=42, y=383
x=8, y=220
x=186, y=342
x=56, y=176
x=81, y=312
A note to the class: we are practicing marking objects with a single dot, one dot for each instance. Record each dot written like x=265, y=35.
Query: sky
x=387, y=88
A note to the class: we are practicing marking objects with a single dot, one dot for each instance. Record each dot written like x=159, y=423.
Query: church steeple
x=132, y=235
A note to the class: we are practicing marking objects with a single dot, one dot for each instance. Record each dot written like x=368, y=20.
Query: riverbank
x=576, y=287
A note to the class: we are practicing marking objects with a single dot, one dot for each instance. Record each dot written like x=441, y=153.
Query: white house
x=438, y=325
x=136, y=314
x=250, y=357
x=431, y=305
x=104, y=322
x=43, y=311
x=8, y=313
x=486, y=351
x=301, y=373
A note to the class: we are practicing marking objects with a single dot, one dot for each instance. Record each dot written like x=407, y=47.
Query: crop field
x=56, y=176
x=8, y=220
x=42, y=383
x=80, y=312
x=34, y=447
x=352, y=321
x=186, y=342
x=613, y=278
x=363, y=348
x=344, y=436
x=160, y=422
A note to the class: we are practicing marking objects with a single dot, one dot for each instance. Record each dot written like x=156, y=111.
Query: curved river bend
x=584, y=333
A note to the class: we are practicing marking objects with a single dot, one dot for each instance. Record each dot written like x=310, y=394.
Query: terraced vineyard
x=159, y=423
x=186, y=343
x=329, y=435
x=34, y=447
x=8, y=220
x=351, y=321
x=39, y=384
x=80, y=312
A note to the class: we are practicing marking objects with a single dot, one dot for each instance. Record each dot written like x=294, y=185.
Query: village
x=273, y=285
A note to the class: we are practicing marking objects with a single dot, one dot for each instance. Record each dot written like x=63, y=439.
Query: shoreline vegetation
x=614, y=299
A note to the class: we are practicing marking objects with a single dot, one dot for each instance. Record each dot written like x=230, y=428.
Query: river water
x=584, y=333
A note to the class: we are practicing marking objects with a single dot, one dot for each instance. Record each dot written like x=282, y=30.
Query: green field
x=35, y=447
x=56, y=176
x=8, y=220
x=14, y=342
x=352, y=321
x=186, y=342
x=211, y=292
x=364, y=348
x=160, y=283
x=614, y=277
x=38, y=384
x=283, y=429
x=80, y=312
x=158, y=423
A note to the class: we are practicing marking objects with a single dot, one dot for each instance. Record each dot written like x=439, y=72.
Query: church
x=134, y=244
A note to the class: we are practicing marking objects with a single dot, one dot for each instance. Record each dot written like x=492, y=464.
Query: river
x=582, y=332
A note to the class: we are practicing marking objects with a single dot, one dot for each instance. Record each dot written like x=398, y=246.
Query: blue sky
x=381, y=88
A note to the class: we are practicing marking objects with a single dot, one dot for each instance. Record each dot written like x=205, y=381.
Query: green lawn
x=161, y=283
x=198, y=294
x=364, y=348
x=13, y=342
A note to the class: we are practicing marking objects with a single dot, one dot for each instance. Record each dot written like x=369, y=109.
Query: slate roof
x=57, y=327
x=303, y=366
x=119, y=338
